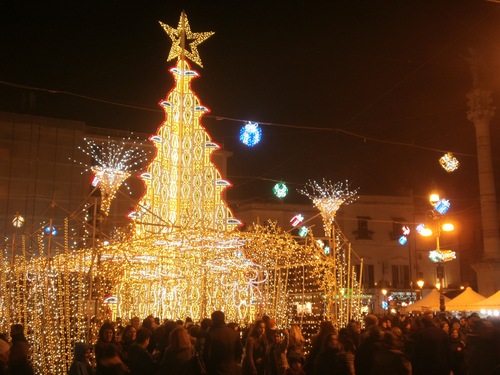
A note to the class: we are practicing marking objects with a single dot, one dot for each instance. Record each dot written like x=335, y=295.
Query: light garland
x=181, y=256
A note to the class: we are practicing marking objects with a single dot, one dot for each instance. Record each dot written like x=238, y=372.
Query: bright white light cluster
x=328, y=198
x=112, y=162
x=449, y=162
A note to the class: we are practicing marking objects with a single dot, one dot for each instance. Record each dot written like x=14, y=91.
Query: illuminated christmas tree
x=183, y=186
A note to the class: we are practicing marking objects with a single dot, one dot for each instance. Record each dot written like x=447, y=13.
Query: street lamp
x=439, y=256
x=420, y=284
x=384, y=292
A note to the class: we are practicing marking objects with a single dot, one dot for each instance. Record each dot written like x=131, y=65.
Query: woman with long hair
x=128, y=338
x=325, y=328
x=107, y=351
x=296, y=343
x=331, y=359
x=256, y=357
x=178, y=354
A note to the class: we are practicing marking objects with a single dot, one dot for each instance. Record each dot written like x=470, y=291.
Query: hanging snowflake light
x=112, y=163
x=328, y=198
x=449, y=162
x=250, y=134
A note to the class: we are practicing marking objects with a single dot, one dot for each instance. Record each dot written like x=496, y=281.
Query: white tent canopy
x=429, y=303
x=465, y=301
x=491, y=303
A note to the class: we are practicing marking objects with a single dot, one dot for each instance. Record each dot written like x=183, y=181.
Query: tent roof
x=429, y=302
x=490, y=303
x=465, y=301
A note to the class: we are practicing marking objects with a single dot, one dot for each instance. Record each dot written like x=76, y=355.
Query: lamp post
x=439, y=255
x=420, y=284
x=384, y=292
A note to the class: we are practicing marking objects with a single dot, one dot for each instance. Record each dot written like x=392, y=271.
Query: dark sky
x=366, y=91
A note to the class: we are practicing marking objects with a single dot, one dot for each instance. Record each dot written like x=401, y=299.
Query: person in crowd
x=483, y=346
x=331, y=359
x=370, y=320
x=177, y=358
x=256, y=350
x=464, y=326
x=348, y=347
x=222, y=350
x=188, y=323
x=457, y=347
x=19, y=358
x=4, y=357
x=136, y=322
x=149, y=323
x=431, y=350
x=81, y=361
x=162, y=334
x=354, y=331
x=279, y=351
x=202, y=335
x=194, y=331
x=388, y=358
x=119, y=328
x=445, y=326
x=140, y=361
x=109, y=362
x=296, y=343
x=408, y=330
x=102, y=348
x=325, y=328
x=271, y=331
x=371, y=342
x=385, y=324
x=128, y=338
x=295, y=366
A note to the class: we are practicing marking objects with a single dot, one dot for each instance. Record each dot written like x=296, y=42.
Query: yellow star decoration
x=179, y=37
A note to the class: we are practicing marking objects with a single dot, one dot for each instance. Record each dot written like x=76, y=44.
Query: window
x=368, y=275
x=397, y=225
x=363, y=233
x=400, y=277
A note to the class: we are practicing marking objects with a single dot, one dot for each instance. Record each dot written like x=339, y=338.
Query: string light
x=181, y=255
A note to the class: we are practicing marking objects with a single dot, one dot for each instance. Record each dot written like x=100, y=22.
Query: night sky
x=372, y=92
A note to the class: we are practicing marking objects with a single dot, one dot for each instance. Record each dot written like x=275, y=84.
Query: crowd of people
x=397, y=344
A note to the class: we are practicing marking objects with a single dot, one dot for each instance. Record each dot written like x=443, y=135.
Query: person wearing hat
x=4, y=356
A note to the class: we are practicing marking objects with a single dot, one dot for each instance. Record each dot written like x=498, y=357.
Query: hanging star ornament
x=180, y=36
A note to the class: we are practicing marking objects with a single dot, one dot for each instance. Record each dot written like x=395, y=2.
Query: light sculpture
x=112, y=163
x=328, y=198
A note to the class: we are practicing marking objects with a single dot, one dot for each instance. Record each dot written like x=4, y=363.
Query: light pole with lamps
x=438, y=255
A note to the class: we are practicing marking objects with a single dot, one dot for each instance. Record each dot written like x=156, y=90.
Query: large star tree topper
x=179, y=37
